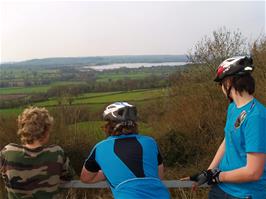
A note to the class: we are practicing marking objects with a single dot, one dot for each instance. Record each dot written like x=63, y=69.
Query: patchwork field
x=96, y=101
x=32, y=89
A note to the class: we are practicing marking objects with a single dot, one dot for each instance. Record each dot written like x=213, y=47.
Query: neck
x=243, y=99
x=34, y=145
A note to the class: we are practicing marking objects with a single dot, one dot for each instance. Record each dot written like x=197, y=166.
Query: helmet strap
x=228, y=92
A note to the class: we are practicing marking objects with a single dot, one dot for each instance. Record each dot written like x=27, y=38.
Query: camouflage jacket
x=34, y=173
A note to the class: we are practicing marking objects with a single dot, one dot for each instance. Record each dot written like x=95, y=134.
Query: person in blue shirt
x=131, y=163
x=238, y=169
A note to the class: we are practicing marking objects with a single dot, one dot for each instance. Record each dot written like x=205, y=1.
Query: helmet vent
x=120, y=112
x=248, y=68
x=229, y=60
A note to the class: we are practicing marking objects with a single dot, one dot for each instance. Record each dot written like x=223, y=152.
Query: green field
x=33, y=89
x=108, y=97
x=96, y=101
x=94, y=129
x=115, y=77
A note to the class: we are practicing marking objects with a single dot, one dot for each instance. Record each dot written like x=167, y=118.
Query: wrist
x=222, y=176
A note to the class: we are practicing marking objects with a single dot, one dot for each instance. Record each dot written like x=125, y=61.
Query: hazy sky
x=89, y=28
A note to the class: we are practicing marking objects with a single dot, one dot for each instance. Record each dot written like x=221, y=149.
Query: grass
x=114, y=77
x=96, y=101
x=10, y=112
x=24, y=90
x=32, y=89
x=96, y=131
x=136, y=95
x=109, y=97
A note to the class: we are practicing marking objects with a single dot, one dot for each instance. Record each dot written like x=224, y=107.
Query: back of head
x=33, y=124
x=121, y=118
x=236, y=72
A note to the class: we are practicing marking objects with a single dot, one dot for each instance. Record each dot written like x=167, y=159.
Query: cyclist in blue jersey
x=238, y=169
x=130, y=163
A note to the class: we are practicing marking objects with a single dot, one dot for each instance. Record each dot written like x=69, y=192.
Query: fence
x=102, y=185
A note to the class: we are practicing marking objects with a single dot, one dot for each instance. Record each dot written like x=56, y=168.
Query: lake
x=133, y=65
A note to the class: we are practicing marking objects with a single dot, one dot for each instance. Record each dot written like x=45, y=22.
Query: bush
x=175, y=149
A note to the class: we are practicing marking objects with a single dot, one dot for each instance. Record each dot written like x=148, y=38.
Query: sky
x=40, y=29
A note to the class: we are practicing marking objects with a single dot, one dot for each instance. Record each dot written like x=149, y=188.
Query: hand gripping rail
x=103, y=185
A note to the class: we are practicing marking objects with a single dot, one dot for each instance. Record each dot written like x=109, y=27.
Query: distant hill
x=98, y=60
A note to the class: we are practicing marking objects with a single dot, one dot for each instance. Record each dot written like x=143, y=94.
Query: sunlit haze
x=72, y=29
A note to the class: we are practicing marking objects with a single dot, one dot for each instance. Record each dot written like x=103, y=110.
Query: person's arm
x=68, y=172
x=91, y=177
x=160, y=164
x=91, y=171
x=214, y=164
x=255, y=146
x=218, y=156
x=1, y=161
x=251, y=172
x=161, y=171
x=254, y=133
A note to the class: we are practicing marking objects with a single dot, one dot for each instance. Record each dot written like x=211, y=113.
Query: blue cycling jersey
x=245, y=132
x=130, y=165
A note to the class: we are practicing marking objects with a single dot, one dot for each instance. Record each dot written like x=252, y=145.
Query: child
x=33, y=169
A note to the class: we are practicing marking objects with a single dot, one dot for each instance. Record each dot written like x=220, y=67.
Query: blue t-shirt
x=245, y=132
x=130, y=165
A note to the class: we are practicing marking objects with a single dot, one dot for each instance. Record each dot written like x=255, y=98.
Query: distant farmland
x=97, y=100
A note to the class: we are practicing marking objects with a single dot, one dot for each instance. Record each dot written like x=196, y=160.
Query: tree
x=259, y=57
x=223, y=43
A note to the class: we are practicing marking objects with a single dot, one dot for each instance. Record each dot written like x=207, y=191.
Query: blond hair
x=33, y=124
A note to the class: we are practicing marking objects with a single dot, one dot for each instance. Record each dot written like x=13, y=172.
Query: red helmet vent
x=220, y=70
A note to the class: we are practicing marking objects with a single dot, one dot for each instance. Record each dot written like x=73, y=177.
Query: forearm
x=218, y=156
x=91, y=177
x=241, y=175
x=161, y=171
x=98, y=177
x=251, y=172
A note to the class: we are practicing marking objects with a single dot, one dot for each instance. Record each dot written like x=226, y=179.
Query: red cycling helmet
x=234, y=66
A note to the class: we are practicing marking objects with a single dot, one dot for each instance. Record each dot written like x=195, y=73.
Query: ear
x=227, y=83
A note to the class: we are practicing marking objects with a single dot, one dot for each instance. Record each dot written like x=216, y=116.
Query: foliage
x=259, y=55
x=223, y=43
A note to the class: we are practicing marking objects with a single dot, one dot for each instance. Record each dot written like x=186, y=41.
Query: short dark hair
x=242, y=83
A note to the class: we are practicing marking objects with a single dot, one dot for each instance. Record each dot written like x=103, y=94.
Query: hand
x=214, y=176
x=210, y=177
x=200, y=178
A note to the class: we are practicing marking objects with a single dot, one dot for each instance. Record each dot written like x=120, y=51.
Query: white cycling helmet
x=234, y=66
x=120, y=112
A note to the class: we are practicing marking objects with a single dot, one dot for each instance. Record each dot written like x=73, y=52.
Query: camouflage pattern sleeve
x=68, y=172
x=2, y=160
x=34, y=173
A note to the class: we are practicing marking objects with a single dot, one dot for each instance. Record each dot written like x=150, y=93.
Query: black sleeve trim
x=159, y=157
x=91, y=164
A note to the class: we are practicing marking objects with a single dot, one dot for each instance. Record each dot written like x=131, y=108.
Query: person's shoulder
x=12, y=147
x=53, y=148
x=259, y=109
x=103, y=143
x=231, y=106
x=146, y=137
